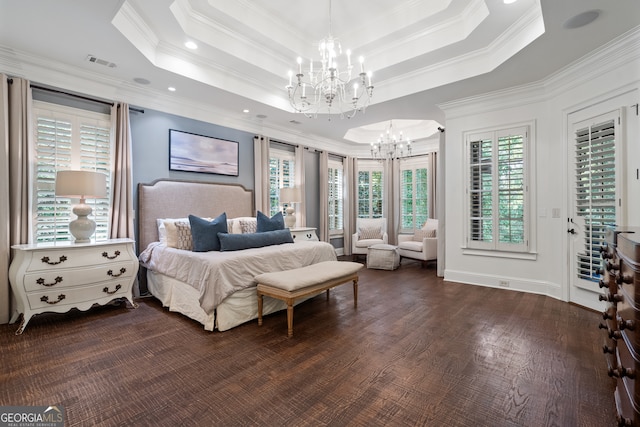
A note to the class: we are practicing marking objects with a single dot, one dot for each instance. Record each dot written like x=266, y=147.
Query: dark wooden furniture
x=621, y=279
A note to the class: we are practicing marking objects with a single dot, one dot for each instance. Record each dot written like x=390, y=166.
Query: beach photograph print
x=198, y=153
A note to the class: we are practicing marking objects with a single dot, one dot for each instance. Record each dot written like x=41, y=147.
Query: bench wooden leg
x=260, y=309
x=289, y=317
x=355, y=292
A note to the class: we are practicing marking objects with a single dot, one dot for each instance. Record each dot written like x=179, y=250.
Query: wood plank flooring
x=417, y=351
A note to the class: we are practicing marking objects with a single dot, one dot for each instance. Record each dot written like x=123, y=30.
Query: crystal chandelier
x=389, y=146
x=332, y=87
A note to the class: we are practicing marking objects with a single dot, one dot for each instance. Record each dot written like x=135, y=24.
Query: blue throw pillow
x=265, y=223
x=236, y=242
x=205, y=233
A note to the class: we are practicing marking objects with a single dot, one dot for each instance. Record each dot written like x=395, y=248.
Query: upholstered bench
x=300, y=282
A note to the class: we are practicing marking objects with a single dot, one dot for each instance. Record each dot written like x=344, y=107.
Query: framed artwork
x=190, y=152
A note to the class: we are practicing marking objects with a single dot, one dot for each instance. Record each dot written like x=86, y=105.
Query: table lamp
x=81, y=184
x=290, y=195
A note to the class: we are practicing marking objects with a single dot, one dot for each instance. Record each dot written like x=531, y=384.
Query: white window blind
x=370, y=190
x=595, y=191
x=336, y=197
x=497, y=190
x=281, y=174
x=68, y=139
x=414, y=208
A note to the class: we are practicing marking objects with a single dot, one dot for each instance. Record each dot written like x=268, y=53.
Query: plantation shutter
x=481, y=191
x=497, y=190
x=414, y=206
x=336, y=199
x=68, y=139
x=595, y=191
x=281, y=174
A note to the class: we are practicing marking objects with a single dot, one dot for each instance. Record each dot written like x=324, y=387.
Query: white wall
x=610, y=76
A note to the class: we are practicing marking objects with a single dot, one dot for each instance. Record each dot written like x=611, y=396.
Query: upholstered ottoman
x=383, y=257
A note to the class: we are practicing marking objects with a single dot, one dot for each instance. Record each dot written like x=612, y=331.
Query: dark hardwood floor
x=416, y=351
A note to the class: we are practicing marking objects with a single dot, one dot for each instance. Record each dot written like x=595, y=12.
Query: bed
x=217, y=289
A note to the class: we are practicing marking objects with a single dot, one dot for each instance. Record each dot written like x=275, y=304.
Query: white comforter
x=216, y=275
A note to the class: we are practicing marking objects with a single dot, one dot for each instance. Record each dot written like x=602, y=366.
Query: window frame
x=43, y=175
x=414, y=164
x=526, y=248
x=339, y=166
x=369, y=167
x=280, y=180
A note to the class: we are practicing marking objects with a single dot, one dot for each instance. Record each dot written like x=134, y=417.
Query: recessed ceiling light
x=171, y=89
x=141, y=81
x=245, y=111
x=191, y=45
x=509, y=1
x=581, y=19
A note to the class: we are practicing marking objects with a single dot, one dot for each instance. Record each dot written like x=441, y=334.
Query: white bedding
x=216, y=275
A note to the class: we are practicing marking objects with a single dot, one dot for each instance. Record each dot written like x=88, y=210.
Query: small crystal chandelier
x=389, y=146
x=328, y=88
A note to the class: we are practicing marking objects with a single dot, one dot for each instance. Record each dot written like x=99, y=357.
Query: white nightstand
x=56, y=277
x=304, y=233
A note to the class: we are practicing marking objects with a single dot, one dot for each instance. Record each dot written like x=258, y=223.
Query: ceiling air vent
x=99, y=61
x=294, y=122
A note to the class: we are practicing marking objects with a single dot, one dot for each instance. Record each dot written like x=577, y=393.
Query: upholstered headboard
x=179, y=199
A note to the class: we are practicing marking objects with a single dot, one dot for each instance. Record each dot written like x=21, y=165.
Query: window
x=370, y=185
x=497, y=193
x=68, y=139
x=414, y=208
x=336, y=198
x=281, y=174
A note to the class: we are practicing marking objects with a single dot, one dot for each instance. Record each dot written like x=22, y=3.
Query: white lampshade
x=290, y=195
x=81, y=184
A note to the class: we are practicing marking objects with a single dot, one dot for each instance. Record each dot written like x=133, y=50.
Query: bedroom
x=547, y=104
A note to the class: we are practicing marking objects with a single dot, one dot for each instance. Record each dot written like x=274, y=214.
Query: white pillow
x=162, y=230
x=244, y=224
x=431, y=224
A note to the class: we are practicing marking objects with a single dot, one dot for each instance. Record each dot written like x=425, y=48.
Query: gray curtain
x=323, y=232
x=350, y=208
x=17, y=142
x=301, y=213
x=261, y=167
x=391, y=194
x=440, y=206
x=122, y=184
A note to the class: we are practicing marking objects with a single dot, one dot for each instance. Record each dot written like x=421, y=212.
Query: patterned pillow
x=248, y=225
x=421, y=234
x=365, y=233
x=184, y=239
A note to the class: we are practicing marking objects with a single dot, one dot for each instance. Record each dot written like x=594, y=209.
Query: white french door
x=595, y=164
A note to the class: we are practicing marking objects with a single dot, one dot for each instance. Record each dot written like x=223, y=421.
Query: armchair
x=369, y=231
x=423, y=245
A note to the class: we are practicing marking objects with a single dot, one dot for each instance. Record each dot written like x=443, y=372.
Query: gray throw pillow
x=236, y=242
x=264, y=223
x=205, y=233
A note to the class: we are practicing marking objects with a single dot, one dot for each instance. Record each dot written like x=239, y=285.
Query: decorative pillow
x=236, y=242
x=365, y=233
x=421, y=234
x=430, y=224
x=184, y=239
x=205, y=233
x=248, y=225
x=162, y=228
x=264, y=223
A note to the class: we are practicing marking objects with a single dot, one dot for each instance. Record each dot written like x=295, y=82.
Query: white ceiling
x=422, y=52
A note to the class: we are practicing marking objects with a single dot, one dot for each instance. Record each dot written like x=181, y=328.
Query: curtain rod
x=85, y=98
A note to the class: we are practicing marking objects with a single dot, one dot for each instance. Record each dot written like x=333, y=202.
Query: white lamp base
x=82, y=228
x=290, y=218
